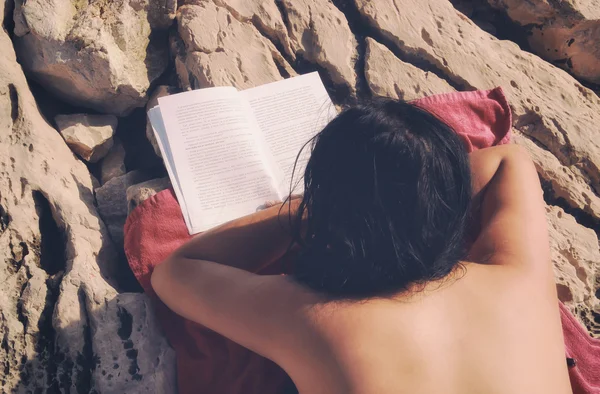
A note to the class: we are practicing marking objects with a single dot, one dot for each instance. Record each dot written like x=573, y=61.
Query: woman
x=385, y=296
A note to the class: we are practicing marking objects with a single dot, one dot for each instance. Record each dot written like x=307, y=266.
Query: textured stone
x=576, y=265
x=113, y=165
x=549, y=106
x=566, y=33
x=59, y=279
x=566, y=183
x=160, y=91
x=234, y=53
x=90, y=136
x=136, y=194
x=264, y=15
x=389, y=76
x=112, y=202
x=319, y=32
x=100, y=54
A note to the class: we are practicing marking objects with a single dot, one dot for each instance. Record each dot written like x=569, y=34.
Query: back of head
x=387, y=194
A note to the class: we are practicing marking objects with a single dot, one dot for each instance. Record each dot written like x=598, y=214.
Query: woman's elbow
x=162, y=277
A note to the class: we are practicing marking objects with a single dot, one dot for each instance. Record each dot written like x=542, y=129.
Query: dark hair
x=387, y=191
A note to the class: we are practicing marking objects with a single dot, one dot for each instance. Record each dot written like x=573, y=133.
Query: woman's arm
x=513, y=229
x=207, y=281
x=249, y=243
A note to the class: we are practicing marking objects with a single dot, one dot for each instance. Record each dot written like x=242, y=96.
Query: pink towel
x=208, y=363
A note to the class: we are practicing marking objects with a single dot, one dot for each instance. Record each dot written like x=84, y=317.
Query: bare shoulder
x=513, y=229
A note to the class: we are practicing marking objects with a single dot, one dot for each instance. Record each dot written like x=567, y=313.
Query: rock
x=319, y=32
x=576, y=265
x=233, y=53
x=314, y=30
x=160, y=91
x=565, y=33
x=566, y=183
x=138, y=347
x=59, y=278
x=265, y=16
x=113, y=165
x=90, y=136
x=112, y=202
x=389, y=76
x=136, y=194
x=549, y=106
x=573, y=47
x=102, y=54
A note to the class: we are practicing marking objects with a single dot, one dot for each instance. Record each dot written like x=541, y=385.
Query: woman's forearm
x=250, y=243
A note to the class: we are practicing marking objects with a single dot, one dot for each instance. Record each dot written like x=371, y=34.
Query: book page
x=160, y=133
x=289, y=113
x=217, y=155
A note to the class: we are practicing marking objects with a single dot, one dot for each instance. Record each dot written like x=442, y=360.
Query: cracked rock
x=90, y=136
x=389, y=76
x=59, y=296
x=549, y=106
x=100, y=54
x=233, y=54
x=113, y=165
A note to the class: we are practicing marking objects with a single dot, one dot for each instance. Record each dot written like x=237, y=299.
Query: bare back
x=493, y=330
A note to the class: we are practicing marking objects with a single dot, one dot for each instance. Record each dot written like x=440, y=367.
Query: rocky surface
x=235, y=53
x=65, y=326
x=113, y=165
x=112, y=202
x=320, y=33
x=64, y=311
x=389, y=76
x=565, y=33
x=90, y=136
x=100, y=54
x=138, y=193
x=576, y=265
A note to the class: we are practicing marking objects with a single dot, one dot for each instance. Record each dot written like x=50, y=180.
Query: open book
x=227, y=152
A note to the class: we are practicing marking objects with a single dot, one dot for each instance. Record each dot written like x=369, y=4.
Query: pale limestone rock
x=565, y=33
x=58, y=270
x=100, y=54
x=160, y=91
x=112, y=202
x=234, y=53
x=389, y=76
x=548, y=105
x=319, y=32
x=90, y=136
x=567, y=183
x=136, y=194
x=128, y=335
x=113, y=165
x=576, y=260
x=264, y=15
